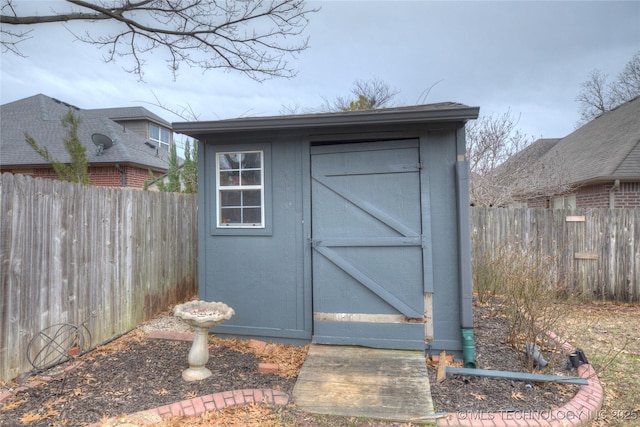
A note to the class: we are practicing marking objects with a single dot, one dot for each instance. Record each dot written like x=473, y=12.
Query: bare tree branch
x=599, y=96
x=627, y=84
x=499, y=174
x=366, y=95
x=594, y=98
x=185, y=112
x=247, y=36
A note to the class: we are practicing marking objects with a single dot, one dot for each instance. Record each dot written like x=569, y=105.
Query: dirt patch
x=136, y=373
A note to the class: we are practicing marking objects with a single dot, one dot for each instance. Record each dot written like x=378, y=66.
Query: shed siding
x=440, y=156
x=263, y=277
x=266, y=274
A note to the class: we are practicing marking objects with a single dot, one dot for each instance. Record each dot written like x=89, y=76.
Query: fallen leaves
x=90, y=380
x=30, y=417
x=479, y=396
x=45, y=412
x=12, y=405
x=254, y=415
x=288, y=357
x=517, y=396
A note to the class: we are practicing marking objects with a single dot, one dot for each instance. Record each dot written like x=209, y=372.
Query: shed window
x=240, y=189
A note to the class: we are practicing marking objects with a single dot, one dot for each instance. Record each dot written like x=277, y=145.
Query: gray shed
x=344, y=228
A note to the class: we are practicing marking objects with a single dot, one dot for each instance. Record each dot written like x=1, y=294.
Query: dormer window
x=160, y=136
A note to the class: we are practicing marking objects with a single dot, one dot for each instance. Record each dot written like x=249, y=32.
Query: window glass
x=564, y=202
x=161, y=136
x=240, y=190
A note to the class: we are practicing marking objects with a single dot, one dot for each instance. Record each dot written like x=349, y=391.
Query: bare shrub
x=524, y=286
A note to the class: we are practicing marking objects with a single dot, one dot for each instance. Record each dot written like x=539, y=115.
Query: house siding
x=141, y=127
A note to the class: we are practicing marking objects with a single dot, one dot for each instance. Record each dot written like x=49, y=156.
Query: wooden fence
x=597, y=251
x=105, y=258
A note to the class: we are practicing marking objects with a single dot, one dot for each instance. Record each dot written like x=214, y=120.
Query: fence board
x=599, y=256
x=109, y=257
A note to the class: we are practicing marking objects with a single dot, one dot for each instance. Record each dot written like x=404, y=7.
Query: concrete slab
x=364, y=382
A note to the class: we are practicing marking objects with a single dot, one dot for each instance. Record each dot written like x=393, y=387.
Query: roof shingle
x=40, y=116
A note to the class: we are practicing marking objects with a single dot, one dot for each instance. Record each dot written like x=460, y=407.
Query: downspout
x=123, y=175
x=612, y=196
x=464, y=267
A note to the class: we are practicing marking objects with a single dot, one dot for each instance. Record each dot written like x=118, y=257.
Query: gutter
x=612, y=191
x=464, y=266
x=123, y=175
x=384, y=116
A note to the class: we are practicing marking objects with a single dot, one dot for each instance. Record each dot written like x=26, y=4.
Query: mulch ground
x=469, y=393
x=135, y=373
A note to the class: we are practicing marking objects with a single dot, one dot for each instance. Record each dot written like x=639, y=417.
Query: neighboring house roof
x=607, y=148
x=603, y=150
x=40, y=116
x=533, y=152
x=123, y=114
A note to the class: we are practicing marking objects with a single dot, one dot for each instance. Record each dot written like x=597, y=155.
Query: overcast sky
x=526, y=57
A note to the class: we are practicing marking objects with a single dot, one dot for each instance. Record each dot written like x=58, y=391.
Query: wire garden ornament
x=58, y=343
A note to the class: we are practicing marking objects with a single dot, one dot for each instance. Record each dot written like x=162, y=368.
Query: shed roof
x=40, y=116
x=428, y=113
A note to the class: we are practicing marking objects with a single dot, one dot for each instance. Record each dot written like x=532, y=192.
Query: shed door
x=367, y=245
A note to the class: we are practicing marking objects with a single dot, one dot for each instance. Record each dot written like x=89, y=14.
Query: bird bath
x=201, y=315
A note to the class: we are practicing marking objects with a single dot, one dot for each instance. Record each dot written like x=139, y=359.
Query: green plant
x=77, y=170
x=179, y=178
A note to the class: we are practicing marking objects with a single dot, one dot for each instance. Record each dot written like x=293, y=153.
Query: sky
x=526, y=58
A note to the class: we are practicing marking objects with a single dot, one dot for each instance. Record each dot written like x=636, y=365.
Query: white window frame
x=567, y=201
x=163, y=145
x=240, y=187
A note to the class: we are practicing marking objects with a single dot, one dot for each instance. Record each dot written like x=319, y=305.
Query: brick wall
x=102, y=176
x=594, y=196
x=136, y=177
x=597, y=196
x=628, y=196
x=540, y=202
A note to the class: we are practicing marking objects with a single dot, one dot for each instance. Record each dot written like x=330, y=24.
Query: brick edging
x=582, y=408
x=216, y=401
x=40, y=380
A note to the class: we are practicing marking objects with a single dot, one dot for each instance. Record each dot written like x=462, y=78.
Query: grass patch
x=608, y=334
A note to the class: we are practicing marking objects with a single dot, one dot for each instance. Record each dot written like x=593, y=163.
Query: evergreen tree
x=78, y=169
x=178, y=179
x=190, y=169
